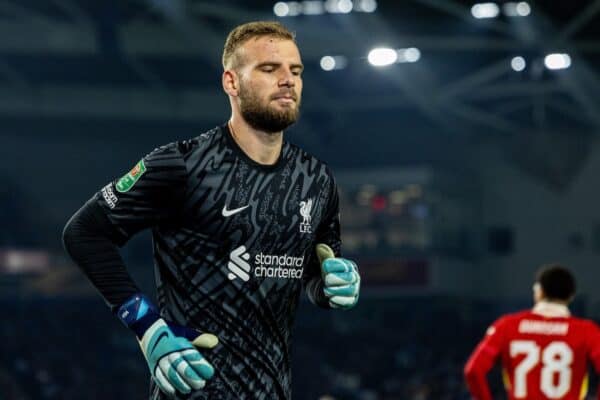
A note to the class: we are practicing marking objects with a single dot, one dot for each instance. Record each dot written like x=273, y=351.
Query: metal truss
x=482, y=98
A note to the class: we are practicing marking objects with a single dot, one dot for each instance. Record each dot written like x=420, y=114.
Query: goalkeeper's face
x=270, y=83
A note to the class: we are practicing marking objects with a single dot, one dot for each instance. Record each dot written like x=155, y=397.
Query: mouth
x=285, y=98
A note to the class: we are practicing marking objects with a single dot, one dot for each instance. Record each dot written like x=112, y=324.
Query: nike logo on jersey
x=229, y=213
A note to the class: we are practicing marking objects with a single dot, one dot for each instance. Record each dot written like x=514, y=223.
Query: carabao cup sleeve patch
x=129, y=179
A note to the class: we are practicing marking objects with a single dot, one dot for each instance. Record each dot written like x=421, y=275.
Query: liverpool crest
x=305, y=211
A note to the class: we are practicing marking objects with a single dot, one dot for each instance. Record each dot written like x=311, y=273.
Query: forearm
x=478, y=386
x=92, y=243
x=476, y=370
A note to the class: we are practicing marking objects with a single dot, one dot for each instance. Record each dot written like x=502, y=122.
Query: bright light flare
x=557, y=61
x=330, y=63
x=514, y=9
x=409, y=55
x=312, y=7
x=381, y=56
x=338, y=6
x=345, y=6
x=318, y=7
x=485, y=10
x=523, y=9
x=367, y=6
x=518, y=63
x=281, y=9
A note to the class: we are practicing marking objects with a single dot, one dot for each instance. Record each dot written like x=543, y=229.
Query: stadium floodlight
x=523, y=9
x=281, y=9
x=295, y=8
x=318, y=7
x=331, y=6
x=409, y=55
x=557, y=61
x=345, y=6
x=518, y=63
x=485, y=10
x=367, y=6
x=382, y=56
x=329, y=63
x=514, y=9
x=338, y=6
x=312, y=7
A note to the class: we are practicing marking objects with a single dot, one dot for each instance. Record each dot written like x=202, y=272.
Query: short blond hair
x=242, y=33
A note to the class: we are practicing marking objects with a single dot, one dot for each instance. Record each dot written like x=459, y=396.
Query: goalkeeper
x=241, y=222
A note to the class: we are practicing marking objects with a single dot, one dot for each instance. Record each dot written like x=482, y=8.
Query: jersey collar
x=238, y=150
x=548, y=309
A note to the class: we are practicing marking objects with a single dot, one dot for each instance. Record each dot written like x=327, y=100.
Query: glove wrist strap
x=138, y=314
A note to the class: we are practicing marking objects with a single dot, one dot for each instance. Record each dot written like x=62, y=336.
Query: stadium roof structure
x=157, y=60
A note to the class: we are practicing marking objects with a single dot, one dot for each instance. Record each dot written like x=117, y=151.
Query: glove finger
x=198, y=339
x=343, y=301
x=324, y=252
x=341, y=278
x=206, y=341
x=345, y=291
x=337, y=265
x=187, y=373
x=170, y=372
x=163, y=383
x=199, y=364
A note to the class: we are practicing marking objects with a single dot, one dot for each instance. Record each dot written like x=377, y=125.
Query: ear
x=230, y=81
x=538, y=292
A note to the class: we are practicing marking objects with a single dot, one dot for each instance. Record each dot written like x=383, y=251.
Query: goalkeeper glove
x=174, y=362
x=340, y=277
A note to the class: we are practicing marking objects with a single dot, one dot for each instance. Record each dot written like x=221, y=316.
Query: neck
x=260, y=146
x=551, y=308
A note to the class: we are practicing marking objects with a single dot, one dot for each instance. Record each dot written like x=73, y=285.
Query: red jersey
x=544, y=353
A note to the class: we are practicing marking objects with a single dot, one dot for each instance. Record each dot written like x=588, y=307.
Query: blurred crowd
x=385, y=349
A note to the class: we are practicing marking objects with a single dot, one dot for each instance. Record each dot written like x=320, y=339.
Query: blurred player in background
x=241, y=221
x=544, y=351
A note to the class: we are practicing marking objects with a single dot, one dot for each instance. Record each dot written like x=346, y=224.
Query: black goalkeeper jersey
x=233, y=246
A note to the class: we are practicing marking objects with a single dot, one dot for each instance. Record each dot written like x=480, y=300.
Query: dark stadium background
x=459, y=175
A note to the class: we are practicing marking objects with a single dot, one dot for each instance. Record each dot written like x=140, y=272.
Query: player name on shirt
x=543, y=327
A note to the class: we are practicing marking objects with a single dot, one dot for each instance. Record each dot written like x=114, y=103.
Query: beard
x=264, y=117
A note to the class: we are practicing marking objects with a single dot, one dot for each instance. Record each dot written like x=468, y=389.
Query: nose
x=287, y=79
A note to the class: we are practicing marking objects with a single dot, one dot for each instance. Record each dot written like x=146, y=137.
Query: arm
x=593, y=349
x=149, y=195
x=328, y=232
x=92, y=243
x=482, y=360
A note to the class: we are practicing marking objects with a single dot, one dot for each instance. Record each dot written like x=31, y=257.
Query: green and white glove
x=169, y=349
x=341, y=280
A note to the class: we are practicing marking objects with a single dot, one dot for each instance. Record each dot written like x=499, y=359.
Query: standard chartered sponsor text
x=274, y=266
